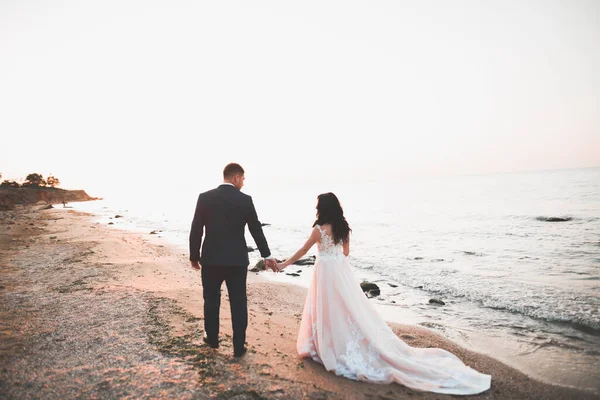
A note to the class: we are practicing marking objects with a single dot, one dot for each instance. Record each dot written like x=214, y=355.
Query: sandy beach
x=88, y=311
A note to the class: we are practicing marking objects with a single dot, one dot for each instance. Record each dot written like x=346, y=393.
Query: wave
x=473, y=253
x=550, y=313
x=548, y=304
x=554, y=219
x=516, y=234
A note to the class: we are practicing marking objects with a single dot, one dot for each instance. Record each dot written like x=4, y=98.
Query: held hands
x=271, y=263
x=274, y=265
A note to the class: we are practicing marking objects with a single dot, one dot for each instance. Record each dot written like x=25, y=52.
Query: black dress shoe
x=240, y=352
x=214, y=345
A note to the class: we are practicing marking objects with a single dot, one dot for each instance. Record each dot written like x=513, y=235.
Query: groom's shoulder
x=208, y=193
x=242, y=195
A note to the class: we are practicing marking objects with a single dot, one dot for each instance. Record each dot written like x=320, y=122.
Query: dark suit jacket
x=224, y=213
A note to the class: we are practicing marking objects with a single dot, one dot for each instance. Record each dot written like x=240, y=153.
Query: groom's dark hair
x=232, y=169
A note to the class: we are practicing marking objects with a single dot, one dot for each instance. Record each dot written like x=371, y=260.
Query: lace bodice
x=327, y=248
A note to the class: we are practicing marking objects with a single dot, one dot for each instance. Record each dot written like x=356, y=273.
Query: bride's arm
x=314, y=237
x=346, y=246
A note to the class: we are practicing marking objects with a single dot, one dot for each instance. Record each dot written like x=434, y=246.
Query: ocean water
x=515, y=257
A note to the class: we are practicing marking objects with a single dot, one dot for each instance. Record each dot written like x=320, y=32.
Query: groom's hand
x=271, y=263
x=196, y=265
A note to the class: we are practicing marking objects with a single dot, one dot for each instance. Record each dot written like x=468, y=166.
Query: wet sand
x=88, y=311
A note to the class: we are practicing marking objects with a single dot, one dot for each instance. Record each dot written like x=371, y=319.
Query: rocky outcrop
x=437, y=301
x=259, y=266
x=9, y=197
x=310, y=260
x=370, y=289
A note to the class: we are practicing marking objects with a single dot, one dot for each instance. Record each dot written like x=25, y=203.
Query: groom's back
x=224, y=213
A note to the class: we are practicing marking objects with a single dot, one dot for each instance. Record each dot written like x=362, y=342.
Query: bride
x=342, y=330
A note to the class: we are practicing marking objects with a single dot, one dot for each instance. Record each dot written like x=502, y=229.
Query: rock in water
x=554, y=219
x=370, y=288
x=436, y=301
x=259, y=266
x=306, y=261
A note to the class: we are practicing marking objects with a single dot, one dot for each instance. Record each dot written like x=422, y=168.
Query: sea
x=514, y=257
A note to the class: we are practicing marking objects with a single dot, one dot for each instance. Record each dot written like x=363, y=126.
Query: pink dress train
x=342, y=330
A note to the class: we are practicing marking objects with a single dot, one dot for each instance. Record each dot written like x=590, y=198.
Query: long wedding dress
x=342, y=330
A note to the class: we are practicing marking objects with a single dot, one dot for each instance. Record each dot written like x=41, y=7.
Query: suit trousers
x=235, y=280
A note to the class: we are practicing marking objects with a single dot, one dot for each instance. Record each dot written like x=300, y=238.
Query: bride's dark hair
x=329, y=211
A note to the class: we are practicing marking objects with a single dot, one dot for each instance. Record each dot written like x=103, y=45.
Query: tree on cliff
x=52, y=181
x=34, y=180
x=9, y=184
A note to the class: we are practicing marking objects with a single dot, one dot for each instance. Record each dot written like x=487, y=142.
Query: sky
x=106, y=94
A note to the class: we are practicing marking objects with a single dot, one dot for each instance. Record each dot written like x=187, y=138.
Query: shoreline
x=85, y=262
x=541, y=359
x=530, y=360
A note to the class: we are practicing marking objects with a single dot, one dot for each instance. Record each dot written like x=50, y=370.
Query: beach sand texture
x=87, y=311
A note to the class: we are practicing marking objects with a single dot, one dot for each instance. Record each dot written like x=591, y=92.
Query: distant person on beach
x=221, y=217
x=342, y=330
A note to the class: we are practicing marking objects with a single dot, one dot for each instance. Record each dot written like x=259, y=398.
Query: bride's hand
x=280, y=266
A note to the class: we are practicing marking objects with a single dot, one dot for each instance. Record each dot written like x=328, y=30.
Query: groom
x=223, y=213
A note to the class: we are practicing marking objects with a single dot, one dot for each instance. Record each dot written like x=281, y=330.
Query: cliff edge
x=9, y=197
